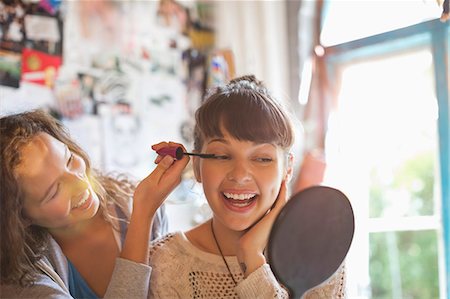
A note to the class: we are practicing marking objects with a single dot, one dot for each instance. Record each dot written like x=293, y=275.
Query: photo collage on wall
x=133, y=73
x=31, y=39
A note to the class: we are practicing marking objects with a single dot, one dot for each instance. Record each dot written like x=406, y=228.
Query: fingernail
x=167, y=160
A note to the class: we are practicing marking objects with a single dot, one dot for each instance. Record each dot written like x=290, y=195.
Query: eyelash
x=224, y=157
x=265, y=160
x=56, y=192
x=220, y=157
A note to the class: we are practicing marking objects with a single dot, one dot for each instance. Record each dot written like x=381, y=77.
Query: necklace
x=223, y=257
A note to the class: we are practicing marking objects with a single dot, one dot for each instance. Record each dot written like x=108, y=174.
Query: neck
x=85, y=229
x=227, y=239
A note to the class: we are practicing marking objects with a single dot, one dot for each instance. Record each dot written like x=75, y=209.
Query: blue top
x=78, y=287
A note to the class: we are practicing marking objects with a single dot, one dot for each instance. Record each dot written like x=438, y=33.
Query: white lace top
x=181, y=270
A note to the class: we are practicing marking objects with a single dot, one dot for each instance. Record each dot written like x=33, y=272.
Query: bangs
x=247, y=116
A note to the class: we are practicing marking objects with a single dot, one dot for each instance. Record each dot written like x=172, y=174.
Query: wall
x=256, y=31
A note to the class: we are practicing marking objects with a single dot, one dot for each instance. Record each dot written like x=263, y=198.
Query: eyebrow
x=221, y=140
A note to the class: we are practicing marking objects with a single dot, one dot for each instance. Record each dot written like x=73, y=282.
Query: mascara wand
x=178, y=153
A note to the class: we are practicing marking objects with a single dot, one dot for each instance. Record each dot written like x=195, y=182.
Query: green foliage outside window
x=404, y=264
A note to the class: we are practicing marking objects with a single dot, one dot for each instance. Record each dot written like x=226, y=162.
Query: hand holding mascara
x=177, y=153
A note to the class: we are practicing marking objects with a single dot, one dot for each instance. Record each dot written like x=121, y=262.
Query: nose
x=239, y=172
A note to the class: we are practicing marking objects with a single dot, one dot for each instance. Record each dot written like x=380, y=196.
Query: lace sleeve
x=261, y=284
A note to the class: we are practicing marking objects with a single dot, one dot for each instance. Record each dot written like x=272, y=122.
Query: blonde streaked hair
x=22, y=245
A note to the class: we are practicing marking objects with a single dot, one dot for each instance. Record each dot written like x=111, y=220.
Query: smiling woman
x=57, y=193
x=248, y=135
x=68, y=230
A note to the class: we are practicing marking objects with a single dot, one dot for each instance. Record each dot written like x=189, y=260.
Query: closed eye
x=220, y=157
x=56, y=192
x=264, y=160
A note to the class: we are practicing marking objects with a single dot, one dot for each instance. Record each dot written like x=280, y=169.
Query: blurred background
x=367, y=82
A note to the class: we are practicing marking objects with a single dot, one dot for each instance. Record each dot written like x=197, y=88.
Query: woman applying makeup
x=70, y=231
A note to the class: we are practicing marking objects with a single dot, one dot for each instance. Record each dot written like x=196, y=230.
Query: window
x=388, y=149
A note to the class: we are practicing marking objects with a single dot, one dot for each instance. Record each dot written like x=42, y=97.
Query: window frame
x=435, y=35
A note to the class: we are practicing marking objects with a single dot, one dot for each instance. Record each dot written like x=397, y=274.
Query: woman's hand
x=148, y=197
x=254, y=241
x=154, y=189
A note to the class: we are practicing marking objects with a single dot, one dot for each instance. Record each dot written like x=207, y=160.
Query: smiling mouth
x=83, y=199
x=240, y=200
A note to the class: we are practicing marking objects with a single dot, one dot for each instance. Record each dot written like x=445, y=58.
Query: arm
x=47, y=284
x=44, y=287
x=148, y=197
x=131, y=273
x=129, y=280
x=259, y=278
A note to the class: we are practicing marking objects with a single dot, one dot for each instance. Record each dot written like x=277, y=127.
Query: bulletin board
x=120, y=75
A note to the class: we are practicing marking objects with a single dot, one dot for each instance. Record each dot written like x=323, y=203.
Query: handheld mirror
x=310, y=238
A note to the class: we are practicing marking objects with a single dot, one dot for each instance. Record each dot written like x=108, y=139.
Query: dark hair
x=247, y=111
x=22, y=245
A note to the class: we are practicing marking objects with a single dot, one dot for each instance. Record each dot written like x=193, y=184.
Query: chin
x=239, y=225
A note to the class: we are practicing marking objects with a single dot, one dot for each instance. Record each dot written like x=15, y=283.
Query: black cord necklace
x=223, y=257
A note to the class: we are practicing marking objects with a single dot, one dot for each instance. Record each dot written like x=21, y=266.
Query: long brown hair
x=245, y=108
x=22, y=245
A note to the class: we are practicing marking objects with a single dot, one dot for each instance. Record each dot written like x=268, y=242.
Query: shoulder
x=165, y=244
x=173, y=248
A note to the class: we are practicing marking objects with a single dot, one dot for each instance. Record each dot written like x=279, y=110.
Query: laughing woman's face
x=243, y=181
x=57, y=192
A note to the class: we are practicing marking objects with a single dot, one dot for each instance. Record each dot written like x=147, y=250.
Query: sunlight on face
x=57, y=192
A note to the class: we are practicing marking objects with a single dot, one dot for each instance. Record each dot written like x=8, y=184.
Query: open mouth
x=83, y=200
x=240, y=200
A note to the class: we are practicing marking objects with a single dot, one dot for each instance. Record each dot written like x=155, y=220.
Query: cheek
x=211, y=174
x=59, y=209
x=271, y=184
x=49, y=213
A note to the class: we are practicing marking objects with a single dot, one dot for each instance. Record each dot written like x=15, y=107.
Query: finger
x=164, y=164
x=159, y=145
x=169, y=176
x=268, y=220
x=281, y=198
x=164, y=144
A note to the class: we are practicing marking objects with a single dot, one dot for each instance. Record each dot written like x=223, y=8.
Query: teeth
x=241, y=196
x=83, y=199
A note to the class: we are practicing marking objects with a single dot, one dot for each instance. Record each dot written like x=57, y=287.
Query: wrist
x=251, y=262
x=143, y=208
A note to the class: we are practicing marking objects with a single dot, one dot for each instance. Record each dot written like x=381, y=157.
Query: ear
x=196, y=166
x=289, y=167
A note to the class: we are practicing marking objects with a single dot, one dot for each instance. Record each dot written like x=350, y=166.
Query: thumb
x=161, y=168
